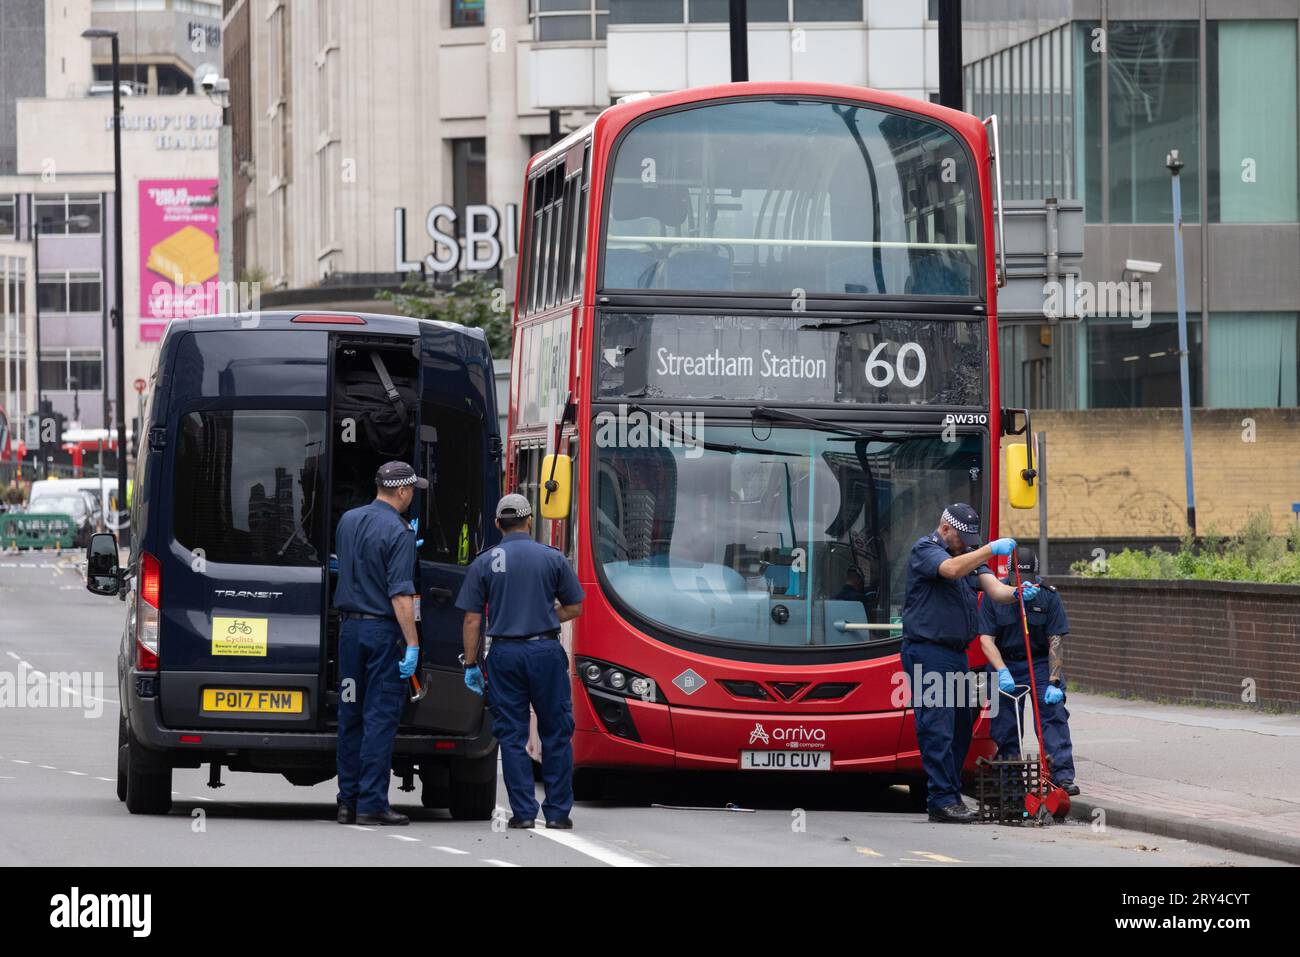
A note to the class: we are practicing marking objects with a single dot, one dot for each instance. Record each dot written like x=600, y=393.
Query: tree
x=471, y=302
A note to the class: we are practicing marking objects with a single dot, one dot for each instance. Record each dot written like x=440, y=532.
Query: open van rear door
x=459, y=452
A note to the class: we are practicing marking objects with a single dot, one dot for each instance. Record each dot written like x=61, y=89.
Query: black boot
x=522, y=824
x=954, y=814
x=388, y=818
x=1069, y=787
x=347, y=815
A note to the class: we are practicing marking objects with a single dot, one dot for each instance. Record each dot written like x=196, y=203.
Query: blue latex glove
x=1029, y=591
x=406, y=667
x=1005, y=681
x=1003, y=546
x=474, y=679
x=1053, y=695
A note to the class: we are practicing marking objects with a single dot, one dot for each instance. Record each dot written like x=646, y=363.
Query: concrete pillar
x=505, y=150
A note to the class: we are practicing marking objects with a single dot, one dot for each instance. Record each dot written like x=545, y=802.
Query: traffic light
x=51, y=425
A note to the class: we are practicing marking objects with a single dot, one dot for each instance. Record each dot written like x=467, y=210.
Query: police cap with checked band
x=397, y=475
x=966, y=521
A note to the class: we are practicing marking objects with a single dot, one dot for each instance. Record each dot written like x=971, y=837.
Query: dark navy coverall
x=519, y=582
x=939, y=620
x=376, y=551
x=1046, y=617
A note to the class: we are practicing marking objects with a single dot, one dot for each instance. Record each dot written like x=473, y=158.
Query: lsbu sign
x=485, y=238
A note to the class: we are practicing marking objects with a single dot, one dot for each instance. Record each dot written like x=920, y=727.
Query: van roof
x=284, y=319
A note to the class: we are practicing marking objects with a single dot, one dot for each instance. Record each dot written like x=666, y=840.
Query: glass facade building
x=1089, y=108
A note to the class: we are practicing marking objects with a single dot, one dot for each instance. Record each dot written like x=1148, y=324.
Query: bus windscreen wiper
x=729, y=448
x=782, y=415
x=837, y=326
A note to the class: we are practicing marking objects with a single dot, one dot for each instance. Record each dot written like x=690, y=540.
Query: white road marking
x=13, y=656
x=109, y=780
x=360, y=827
x=606, y=855
x=403, y=837
x=48, y=767
x=20, y=761
x=496, y=863
x=80, y=774
x=599, y=852
x=447, y=850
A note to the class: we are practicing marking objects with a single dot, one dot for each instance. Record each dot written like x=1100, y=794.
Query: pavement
x=58, y=807
x=1220, y=776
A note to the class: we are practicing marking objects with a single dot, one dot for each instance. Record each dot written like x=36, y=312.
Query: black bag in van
x=383, y=407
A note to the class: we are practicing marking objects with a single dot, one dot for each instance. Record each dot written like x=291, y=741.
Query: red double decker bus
x=754, y=357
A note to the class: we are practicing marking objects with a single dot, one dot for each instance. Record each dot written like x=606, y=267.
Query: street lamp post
x=1175, y=166
x=119, y=338
x=738, y=18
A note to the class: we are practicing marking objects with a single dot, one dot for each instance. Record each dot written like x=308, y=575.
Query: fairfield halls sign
x=482, y=245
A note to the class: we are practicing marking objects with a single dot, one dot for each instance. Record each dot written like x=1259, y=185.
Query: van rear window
x=250, y=486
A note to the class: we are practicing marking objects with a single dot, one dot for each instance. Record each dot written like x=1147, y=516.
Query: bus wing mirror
x=1022, y=484
x=557, y=486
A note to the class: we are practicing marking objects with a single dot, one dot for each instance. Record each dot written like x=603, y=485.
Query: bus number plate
x=785, y=760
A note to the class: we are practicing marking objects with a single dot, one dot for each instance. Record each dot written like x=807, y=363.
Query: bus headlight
x=617, y=680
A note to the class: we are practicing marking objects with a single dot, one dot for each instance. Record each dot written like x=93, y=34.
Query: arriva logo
x=793, y=737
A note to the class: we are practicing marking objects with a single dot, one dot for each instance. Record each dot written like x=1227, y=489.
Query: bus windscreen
x=780, y=196
x=792, y=359
x=773, y=537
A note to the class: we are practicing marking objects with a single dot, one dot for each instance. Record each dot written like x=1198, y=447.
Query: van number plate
x=252, y=701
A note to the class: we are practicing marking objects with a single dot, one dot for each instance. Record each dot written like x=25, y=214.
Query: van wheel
x=435, y=786
x=121, y=757
x=148, y=781
x=473, y=792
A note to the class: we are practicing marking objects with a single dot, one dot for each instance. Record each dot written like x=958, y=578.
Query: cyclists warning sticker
x=245, y=637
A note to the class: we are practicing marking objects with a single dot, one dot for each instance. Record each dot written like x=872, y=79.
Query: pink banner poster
x=178, y=252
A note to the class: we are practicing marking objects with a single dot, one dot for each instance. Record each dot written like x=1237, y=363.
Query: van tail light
x=148, y=599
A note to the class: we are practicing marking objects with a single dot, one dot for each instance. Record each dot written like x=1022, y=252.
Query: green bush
x=1255, y=554
x=471, y=302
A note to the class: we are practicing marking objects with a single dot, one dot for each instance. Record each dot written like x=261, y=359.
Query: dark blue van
x=262, y=430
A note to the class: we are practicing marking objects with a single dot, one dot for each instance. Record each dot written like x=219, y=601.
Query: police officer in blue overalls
x=1003, y=640
x=529, y=589
x=379, y=646
x=945, y=572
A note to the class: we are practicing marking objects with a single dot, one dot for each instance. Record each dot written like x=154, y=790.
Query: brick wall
x=1193, y=641
x=1118, y=473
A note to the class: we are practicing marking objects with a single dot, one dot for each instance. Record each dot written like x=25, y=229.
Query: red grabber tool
x=1049, y=799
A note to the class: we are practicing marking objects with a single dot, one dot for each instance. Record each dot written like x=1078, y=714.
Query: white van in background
x=105, y=493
